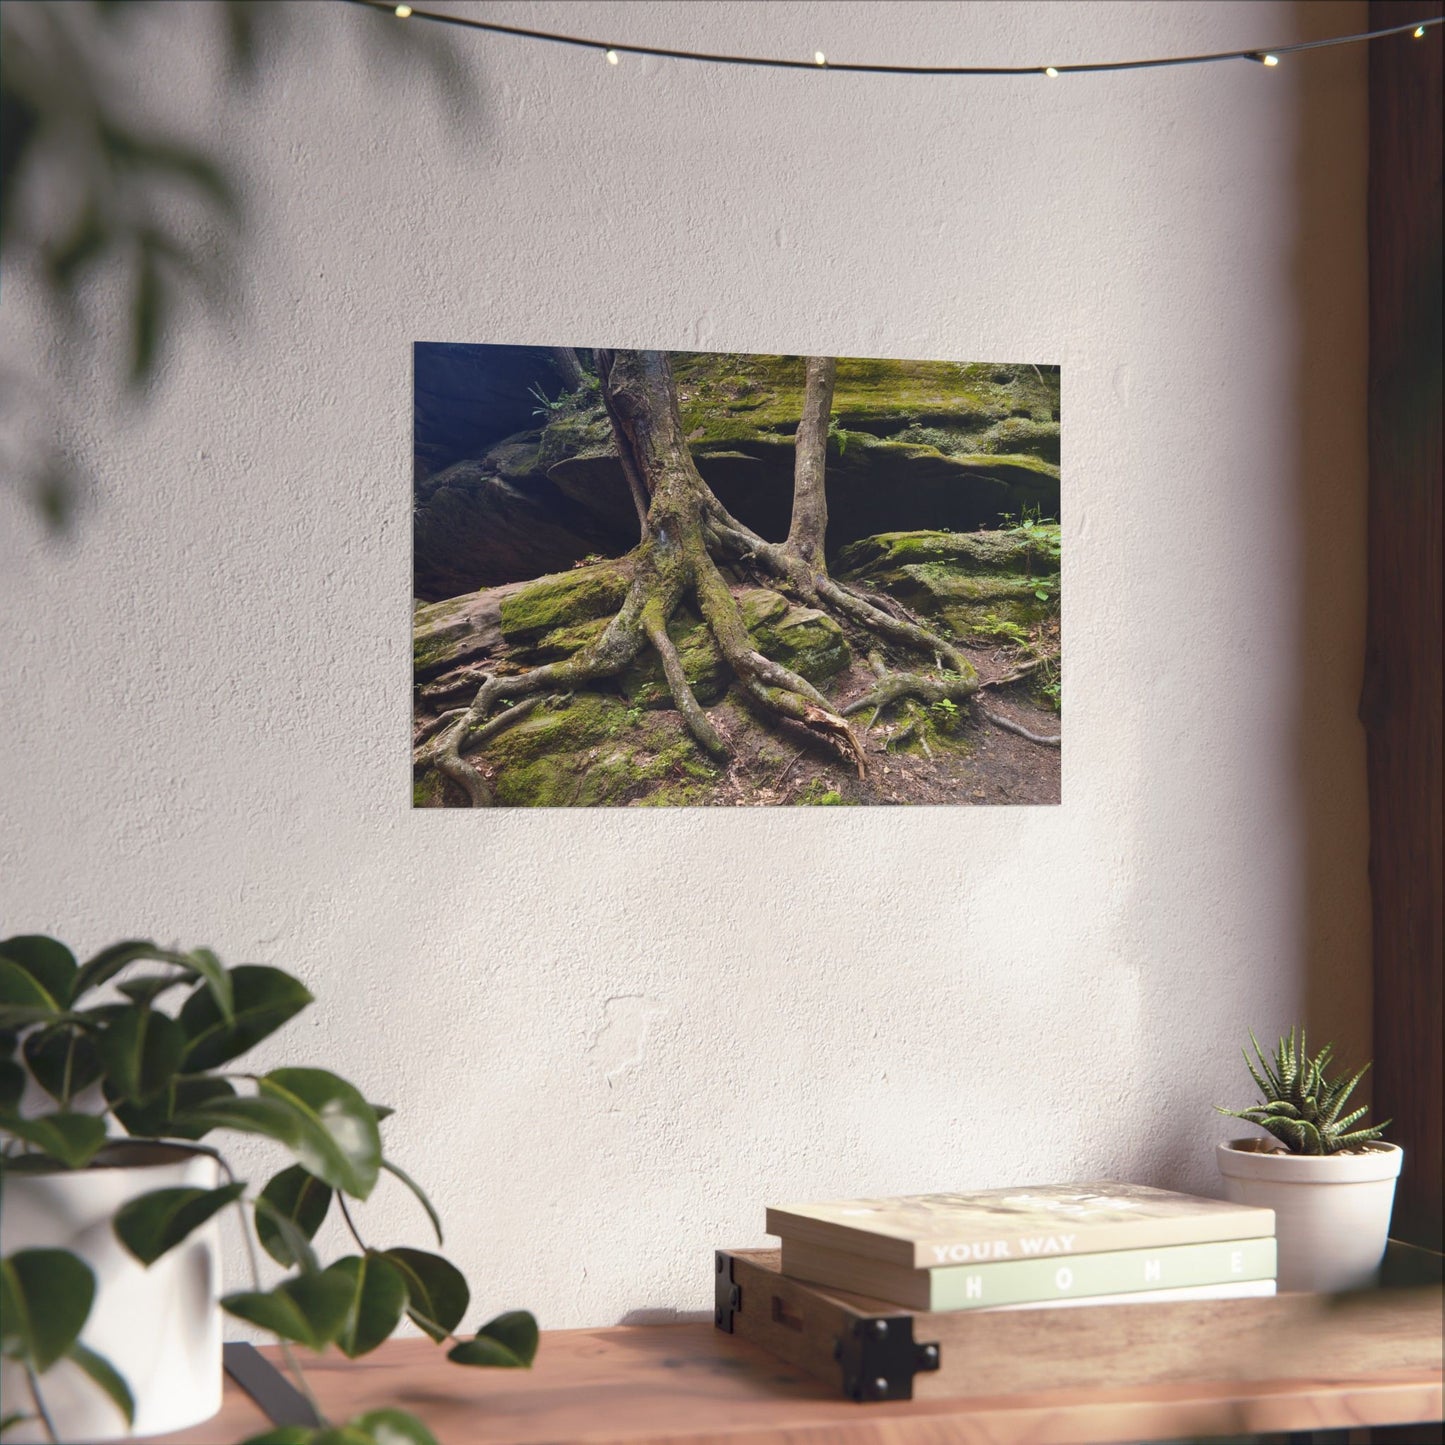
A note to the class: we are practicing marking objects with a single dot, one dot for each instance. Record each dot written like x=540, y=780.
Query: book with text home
x=924, y=1231
x=1026, y=1281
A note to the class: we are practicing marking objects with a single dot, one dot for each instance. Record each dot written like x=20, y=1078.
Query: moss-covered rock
x=563, y=600
x=802, y=638
x=591, y=749
x=971, y=583
x=914, y=445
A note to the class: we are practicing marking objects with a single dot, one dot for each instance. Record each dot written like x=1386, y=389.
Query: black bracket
x=880, y=1358
x=727, y=1296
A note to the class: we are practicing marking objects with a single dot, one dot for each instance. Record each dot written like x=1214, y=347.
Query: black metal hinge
x=880, y=1357
x=727, y=1296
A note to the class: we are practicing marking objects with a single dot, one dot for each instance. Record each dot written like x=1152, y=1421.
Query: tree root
x=1010, y=726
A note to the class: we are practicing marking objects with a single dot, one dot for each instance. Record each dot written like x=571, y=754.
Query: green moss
x=964, y=551
x=563, y=641
x=730, y=396
x=801, y=638
x=819, y=795
x=427, y=790
x=564, y=599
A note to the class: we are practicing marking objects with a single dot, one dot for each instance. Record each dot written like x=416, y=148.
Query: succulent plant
x=1301, y=1108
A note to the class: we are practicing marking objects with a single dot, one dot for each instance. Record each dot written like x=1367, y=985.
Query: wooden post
x=1400, y=704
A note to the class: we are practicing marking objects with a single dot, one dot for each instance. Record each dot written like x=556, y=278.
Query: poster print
x=664, y=579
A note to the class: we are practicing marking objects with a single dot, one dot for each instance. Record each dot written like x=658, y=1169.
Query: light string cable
x=613, y=50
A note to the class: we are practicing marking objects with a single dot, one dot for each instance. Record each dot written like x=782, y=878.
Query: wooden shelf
x=667, y=1384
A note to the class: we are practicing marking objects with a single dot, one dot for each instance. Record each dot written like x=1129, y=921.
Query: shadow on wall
x=1323, y=751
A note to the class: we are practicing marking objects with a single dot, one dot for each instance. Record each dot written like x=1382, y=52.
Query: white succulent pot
x=160, y=1327
x=1331, y=1211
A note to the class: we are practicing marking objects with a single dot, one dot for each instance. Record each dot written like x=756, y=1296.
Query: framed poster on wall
x=651, y=579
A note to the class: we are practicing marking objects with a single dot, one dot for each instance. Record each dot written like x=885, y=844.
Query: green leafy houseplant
x=100, y=1030
x=1302, y=1108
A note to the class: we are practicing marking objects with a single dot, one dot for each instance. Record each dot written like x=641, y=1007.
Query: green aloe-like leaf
x=153, y=1224
x=309, y=1309
x=507, y=1342
x=141, y=1051
x=377, y=1297
x=437, y=1293
x=50, y=963
x=73, y=1139
x=297, y=1196
x=263, y=999
x=341, y=1143
x=104, y=1374
x=45, y=1299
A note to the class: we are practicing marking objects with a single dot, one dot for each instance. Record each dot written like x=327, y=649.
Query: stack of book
x=1029, y=1248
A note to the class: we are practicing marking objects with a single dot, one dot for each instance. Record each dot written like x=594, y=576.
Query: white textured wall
x=613, y=1036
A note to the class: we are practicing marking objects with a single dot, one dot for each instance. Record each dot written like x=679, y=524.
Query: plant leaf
x=393, y=1427
x=141, y=1051
x=109, y=962
x=309, y=1309
x=163, y=1117
x=53, y=1053
x=12, y=1085
x=299, y=1247
x=416, y=1189
x=152, y=1224
x=51, y=964
x=45, y=1299
x=437, y=1294
x=342, y=1144
x=299, y=1197
x=73, y=1139
x=507, y=1342
x=263, y=999
x=283, y=1435
x=23, y=998
x=104, y=1374
x=377, y=1297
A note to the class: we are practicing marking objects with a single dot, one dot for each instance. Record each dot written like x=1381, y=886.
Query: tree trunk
x=809, y=528
x=568, y=367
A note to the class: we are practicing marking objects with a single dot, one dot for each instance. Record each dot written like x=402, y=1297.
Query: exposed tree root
x=1012, y=727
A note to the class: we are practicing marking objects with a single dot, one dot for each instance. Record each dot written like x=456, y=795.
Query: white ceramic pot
x=160, y=1327
x=1331, y=1211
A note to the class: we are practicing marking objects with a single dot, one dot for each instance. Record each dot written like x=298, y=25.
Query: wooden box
x=873, y=1350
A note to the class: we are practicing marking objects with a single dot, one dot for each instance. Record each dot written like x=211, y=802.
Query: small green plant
x=99, y=1030
x=993, y=625
x=1041, y=537
x=550, y=405
x=946, y=708
x=1301, y=1107
x=837, y=434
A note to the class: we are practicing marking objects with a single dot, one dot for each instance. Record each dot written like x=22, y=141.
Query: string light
x=1259, y=56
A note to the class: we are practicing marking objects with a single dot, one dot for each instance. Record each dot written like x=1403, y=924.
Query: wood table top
x=690, y=1384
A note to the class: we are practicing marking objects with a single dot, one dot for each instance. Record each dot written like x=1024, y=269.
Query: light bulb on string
x=1418, y=32
x=612, y=57
x=819, y=58
x=402, y=11
x=1051, y=72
